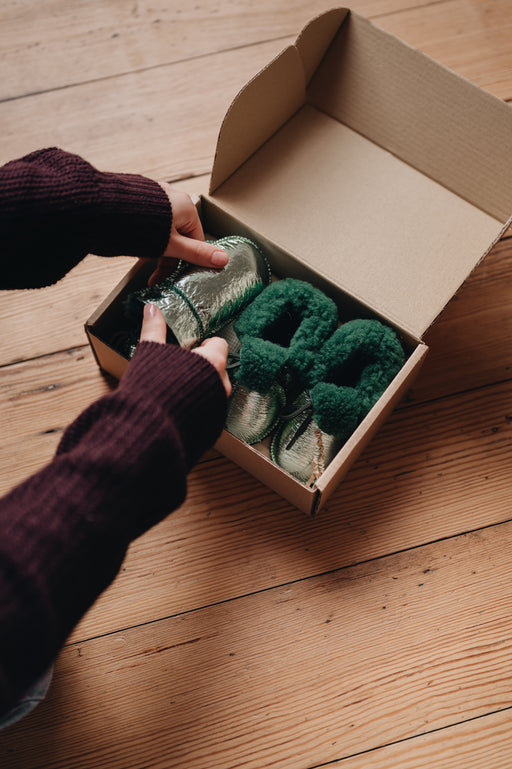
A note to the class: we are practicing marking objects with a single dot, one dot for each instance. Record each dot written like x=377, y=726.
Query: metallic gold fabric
x=198, y=301
x=299, y=446
x=253, y=415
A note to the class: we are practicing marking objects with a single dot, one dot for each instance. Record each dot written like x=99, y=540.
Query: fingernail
x=219, y=258
x=149, y=310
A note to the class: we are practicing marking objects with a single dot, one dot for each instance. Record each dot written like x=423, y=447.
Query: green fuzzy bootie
x=353, y=369
x=280, y=334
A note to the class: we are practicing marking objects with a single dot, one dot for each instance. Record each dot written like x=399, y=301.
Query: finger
x=165, y=267
x=185, y=216
x=215, y=347
x=215, y=350
x=193, y=227
x=154, y=328
x=197, y=252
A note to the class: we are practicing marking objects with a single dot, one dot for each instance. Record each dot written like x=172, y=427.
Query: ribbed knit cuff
x=133, y=217
x=187, y=387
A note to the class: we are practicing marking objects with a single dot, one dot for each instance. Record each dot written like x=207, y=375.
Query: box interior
x=371, y=164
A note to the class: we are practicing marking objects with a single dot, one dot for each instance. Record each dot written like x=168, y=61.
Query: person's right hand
x=186, y=240
x=215, y=349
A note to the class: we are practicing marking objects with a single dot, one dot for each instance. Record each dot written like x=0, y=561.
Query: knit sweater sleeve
x=119, y=468
x=55, y=208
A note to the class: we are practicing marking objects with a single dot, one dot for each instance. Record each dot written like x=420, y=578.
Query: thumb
x=154, y=328
x=198, y=252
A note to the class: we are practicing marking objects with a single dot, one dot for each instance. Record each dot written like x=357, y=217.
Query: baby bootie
x=196, y=302
x=280, y=334
x=353, y=369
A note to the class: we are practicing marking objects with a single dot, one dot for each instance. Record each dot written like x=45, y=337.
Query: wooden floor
x=240, y=633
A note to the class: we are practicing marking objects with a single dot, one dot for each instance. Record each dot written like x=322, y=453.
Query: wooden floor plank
x=56, y=44
x=424, y=478
x=394, y=662
x=485, y=741
x=178, y=108
x=45, y=320
x=436, y=469
x=471, y=341
x=296, y=677
x=39, y=399
x=161, y=122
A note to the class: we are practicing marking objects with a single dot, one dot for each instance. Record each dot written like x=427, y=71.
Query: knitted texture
x=282, y=330
x=119, y=468
x=122, y=465
x=353, y=369
x=55, y=208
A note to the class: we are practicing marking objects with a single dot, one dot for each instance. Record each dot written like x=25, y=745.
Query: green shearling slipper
x=280, y=333
x=353, y=369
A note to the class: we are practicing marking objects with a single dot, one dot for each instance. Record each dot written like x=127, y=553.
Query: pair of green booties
x=300, y=378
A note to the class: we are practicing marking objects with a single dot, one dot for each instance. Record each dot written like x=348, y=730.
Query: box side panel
x=315, y=38
x=340, y=465
x=265, y=471
x=108, y=324
x=357, y=215
x=287, y=265
x=258, y=111
x=108, y=359
x=428, y=116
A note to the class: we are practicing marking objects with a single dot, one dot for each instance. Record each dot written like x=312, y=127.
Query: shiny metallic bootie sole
x=299, y=446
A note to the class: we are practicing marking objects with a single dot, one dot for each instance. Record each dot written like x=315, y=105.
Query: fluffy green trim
x=353, y=369
x=281, y=332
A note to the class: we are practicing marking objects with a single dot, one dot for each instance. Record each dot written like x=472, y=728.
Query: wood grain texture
x=484, y=741
x=433, y=471
x=39, y=399
x=294, y=677
x=161, y=122
x=436, y=469
x=240, y=633
x=108, y=39
x=468, y=342
x=179, y=107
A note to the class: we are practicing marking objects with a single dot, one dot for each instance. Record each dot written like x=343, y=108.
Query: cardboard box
x=367, y=169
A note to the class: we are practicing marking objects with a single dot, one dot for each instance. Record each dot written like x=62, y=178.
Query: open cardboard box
x=364, y=167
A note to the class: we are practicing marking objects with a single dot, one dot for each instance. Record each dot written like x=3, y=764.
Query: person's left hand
x=214, y=349
x=186, y=240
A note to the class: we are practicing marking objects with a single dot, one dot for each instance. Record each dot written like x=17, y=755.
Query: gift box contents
x=302, y=380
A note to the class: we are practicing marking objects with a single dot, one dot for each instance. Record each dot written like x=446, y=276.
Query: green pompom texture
x=281, y=331
x=352, y=371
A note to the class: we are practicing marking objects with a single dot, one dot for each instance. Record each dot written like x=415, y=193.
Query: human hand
x=186, y=240
x=215, y=349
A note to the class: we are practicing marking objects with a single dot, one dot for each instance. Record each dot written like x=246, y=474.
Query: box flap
x=272, y=97
x=378, y=168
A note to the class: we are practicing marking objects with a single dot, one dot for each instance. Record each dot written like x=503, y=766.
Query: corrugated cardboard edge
x=272, y=96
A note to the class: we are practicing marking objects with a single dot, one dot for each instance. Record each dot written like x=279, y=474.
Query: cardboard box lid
x=380, y=169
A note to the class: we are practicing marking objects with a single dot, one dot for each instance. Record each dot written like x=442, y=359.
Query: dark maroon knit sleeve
x=119, y=468
x=55, y=208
